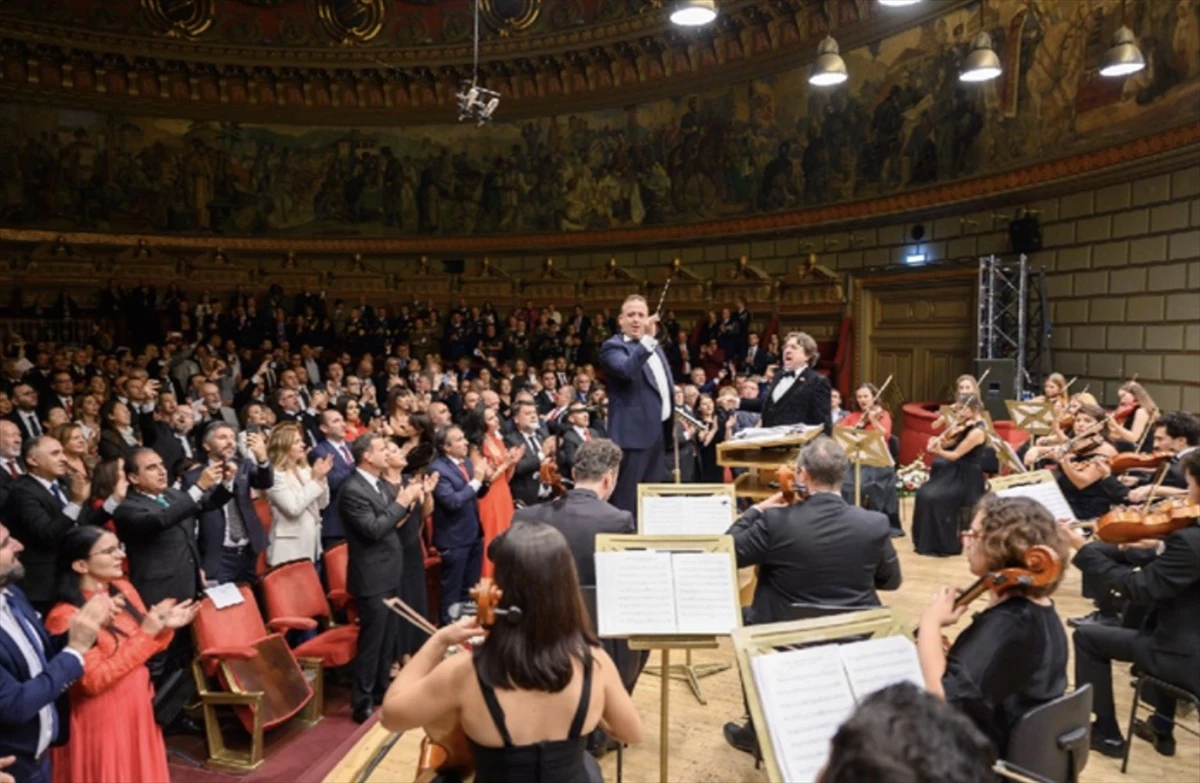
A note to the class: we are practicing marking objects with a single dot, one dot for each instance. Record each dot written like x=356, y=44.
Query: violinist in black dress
x=1084, y=475
x=1013, y=656
x=527, y=695
x=955, y=482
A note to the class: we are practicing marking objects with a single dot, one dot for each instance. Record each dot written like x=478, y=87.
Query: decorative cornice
x=1183, y=141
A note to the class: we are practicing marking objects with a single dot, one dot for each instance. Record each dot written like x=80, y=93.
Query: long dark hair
x=475, y=427
x=77, y=545
x=535, y=571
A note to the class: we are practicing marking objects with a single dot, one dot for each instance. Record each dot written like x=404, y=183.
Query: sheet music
x=686, y=515
x=1047, y=493
x=634, y=593
x=753, y=434
x=705, y=596
x=877, y=663
x=805, y=698
x=225, y=595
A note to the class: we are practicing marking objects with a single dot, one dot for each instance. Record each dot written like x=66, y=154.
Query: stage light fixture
x=1123, y=57
x=693, y=13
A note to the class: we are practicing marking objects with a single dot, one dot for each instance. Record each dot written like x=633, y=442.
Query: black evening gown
x=944, y=502
x=1012, y=658
x=412, y=586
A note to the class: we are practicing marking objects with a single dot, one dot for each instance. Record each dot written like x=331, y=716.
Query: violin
x=1127, y=525
x=550, y=475
x=792, y=492
x=864, y=420
x=1132, y=460
x=444, y=748
x=1180, y=508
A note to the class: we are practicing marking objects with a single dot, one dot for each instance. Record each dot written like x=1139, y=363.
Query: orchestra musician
x=1013, y=655
x=1165, y=575
x=1054, y=391
x=878, y=484
x=1085, y=476
x=538, y=684
x=955, y=482
x=1133, y=415
x=964, y=387
x=799, y=394
x=1178, y=434
x=641, y=415
x=823, y=551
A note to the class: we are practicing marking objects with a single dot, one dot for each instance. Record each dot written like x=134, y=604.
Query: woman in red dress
x=496, y=507
x=113, y=733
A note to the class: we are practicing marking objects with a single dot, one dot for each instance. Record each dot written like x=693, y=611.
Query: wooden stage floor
x=699, y=752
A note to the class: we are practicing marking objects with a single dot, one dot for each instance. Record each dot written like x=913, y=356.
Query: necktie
x=12, y=468
x=162, y=501
x=462, y=466
x=34, y=425
x=587, y=435
x=56, y=490
x=346, y=453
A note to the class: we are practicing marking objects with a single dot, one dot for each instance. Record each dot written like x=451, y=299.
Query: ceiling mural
x=904, y=122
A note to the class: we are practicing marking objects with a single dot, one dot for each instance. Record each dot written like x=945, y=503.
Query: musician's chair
x=1051, y=742
x=1143, y=680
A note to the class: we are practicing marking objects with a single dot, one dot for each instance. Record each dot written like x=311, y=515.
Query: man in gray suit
x=580, y=515
x=822, y=551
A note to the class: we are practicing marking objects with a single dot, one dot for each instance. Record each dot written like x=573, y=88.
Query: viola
x=1180, y=508
x=1132, y=460
x=793, y=493
x=444, y=749
x=549, y=474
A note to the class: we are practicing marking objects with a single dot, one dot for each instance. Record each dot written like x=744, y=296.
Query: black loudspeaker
x=1025, y=233
x=998, y=386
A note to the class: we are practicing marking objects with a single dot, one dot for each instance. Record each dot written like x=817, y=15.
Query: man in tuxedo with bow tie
x=36, y=670
x=799, y=394
x=641, y=402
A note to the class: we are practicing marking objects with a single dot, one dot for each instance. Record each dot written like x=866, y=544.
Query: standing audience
x=297, y=496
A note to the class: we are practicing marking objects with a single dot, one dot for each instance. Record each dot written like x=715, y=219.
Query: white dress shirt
x=784, y=384
x=72, y=509
x=10, y=466
x=661, y=383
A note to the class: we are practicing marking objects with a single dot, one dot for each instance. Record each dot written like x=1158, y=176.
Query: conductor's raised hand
x=652, y=325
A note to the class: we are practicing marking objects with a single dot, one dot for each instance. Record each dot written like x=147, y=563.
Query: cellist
x=529, y=695
x=1164, y=575
x=1013, y=656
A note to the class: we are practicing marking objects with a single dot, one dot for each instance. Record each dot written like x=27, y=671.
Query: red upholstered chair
x=337, y=565
x=262, y=507
x=295, y=600
x=240, y=664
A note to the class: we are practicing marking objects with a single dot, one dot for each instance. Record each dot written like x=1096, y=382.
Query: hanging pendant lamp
x=829, y=68
x=693, y=13
x=1123, y=57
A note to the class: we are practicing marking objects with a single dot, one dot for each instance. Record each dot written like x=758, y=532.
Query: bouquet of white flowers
x=909, y=478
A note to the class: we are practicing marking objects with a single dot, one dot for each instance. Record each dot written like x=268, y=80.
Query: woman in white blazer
x=297, y=497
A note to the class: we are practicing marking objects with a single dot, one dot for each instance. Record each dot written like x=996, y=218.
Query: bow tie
x=788, y=374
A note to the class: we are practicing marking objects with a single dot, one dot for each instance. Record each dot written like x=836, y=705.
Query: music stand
x=608, y=542
x=863, y=447
x=1036, y=418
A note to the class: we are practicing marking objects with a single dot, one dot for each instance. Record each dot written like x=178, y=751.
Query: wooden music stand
x=754, y=640
x=863, y=447
x=688, y=671
x=607, y=542
x=763, y=458
x=1036, y=418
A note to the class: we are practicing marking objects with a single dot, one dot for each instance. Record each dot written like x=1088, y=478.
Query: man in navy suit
x=232, y=535
x=333, y=427
x=36, y=670
x=641, y=404
x=457, y=532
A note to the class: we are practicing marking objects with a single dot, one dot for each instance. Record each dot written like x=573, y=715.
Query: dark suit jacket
x=309, y=424
x=164, y=557
x=526, y=480
x=757, y=365
x=16, y=419
x=21, y=695
x=569, y=442
x=6, y=482
x=369, y=519
x=823, y=551
x=1168, y=644
x=544, y=401
x=159, y=436
x=634, y=407
x=36, y=519
x=212, y=520
x=806, y=402
x=455, y=510
x=331, y=520
x=579, y=515
x=113, y=446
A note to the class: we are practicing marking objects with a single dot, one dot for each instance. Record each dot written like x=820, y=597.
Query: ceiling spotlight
x=898, y=3
x=830, y=68
x=476, y=103
x=982, y=64
x=693, y=13
x=1123, y=57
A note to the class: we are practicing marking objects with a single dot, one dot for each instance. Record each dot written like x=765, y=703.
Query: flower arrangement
x=909, y=478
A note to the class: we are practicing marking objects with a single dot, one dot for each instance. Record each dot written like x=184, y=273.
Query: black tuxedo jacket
x=1168, y=644
x=579, y=515
x=806, y=402
x=569, y=442
x=36, y=519
x=823, y=551
x=526, y=480
x=161, y=541
x=369, y=520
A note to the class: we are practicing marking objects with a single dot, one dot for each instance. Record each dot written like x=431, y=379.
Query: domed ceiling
x=388, y=61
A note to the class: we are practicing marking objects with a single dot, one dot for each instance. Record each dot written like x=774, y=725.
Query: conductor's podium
x=761, y=458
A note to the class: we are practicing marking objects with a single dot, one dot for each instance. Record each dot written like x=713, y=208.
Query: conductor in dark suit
x=372, y=511
x=157, y=525
x=641, y=403
x=580, y=515
x=232, y=535
x=799, y=394
x=1165, y=577
x=823, y=551
x=40, y=509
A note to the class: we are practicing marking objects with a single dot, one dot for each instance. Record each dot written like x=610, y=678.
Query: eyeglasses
x=111, y=551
